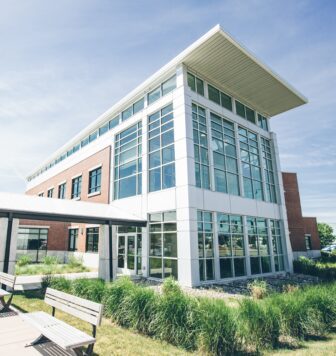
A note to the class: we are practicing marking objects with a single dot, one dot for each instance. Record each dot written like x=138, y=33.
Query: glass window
x=163, y=245
x=114, y=122
x=32, y=242
x=161, y=149
x=224, y=155
x=168, y=85
x=278, y=252
x=73, y=238
x=268, y=164
x=259, y=246
x=195, y=84
x=205, y=245
x=50, y=192
x=250, y=164
x=93, y=136
x=154, y=95
x=95, y=180
x=76, y=187
x=308, y=242
x=128, y=164
x=61, y=191
x=202, y=175
x=92, y=239
x=139, y=105
x=214, y=94
x=103, y=129
x=262, y=122
x=126, y=114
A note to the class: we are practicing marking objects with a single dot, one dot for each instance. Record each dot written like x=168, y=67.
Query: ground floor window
x=33, y=242
x=205, y=245
x=278, y=252
x=130, y=249
x=92, y=239
x=308, y=242
x=73, y=237
x=259, y=245
x=163, y=245
x=231, y=246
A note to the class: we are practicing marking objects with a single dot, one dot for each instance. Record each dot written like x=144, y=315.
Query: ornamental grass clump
x=92, y=289
x=258, y=289
x=259, y=324
x=114, y=297
x=60, y=283
x=218, y=328
x=174, y=319
x=138, y=309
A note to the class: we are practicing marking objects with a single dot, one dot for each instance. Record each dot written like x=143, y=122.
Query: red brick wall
x=310, y=227
x=58, y=232
x=294, y=212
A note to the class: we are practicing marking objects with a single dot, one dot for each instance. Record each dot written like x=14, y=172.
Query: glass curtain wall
x=268, y=170
x=278, y=250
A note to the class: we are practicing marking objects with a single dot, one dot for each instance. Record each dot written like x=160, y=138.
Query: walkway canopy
x=18, y=206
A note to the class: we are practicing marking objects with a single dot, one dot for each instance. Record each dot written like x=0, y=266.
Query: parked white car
x=329, y=249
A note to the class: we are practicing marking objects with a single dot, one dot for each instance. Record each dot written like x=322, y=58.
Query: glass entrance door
x=129, y=253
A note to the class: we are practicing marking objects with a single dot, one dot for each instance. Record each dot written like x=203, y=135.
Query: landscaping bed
x=214, y=326
x=50, y=265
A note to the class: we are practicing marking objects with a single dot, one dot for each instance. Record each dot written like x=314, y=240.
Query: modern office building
x=303, y=230
x=191, y=151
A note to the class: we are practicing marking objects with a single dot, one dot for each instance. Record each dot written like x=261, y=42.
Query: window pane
x=240, y=109
x=200, y=86
x=155, y=244
x=139, y=105
x=225, y=268
x=214, y=94
x=170, y=245
x=127, y=187
x=154, y=95
x=239, y=267
x=169, y=85
x=155, y=267
x=170, y=268
x=226, y=101
x=154, y=179
x=191, y=82
x=168, y=173
x=255, y=266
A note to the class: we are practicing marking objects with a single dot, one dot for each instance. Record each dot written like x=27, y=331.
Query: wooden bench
x=9, y=281
x=59, y=332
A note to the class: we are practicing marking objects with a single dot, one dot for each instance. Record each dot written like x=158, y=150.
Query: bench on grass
x=9, y=281
x=59, y=332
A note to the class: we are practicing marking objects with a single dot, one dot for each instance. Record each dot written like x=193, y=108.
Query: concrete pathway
x=14, y=335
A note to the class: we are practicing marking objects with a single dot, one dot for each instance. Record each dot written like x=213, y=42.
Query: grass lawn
x=114, y=340
x=41, y=268
x=111, y=339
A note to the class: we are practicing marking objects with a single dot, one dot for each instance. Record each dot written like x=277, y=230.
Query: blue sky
x=64, y=62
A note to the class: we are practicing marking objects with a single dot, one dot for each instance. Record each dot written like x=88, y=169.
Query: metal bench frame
x=9, y=281
x=83, y=309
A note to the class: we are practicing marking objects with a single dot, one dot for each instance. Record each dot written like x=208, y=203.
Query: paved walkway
x=14, y=335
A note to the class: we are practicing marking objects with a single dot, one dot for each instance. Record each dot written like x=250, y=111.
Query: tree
x=326, y=233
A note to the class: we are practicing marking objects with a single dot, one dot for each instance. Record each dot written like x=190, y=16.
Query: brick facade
x=297, y=224
x=58, y=231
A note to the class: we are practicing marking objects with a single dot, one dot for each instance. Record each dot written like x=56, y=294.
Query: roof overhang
x=21, y=206
x=221, y=59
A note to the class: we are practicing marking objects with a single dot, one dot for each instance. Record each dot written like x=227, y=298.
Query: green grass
x=34, y=269
x=111, y=338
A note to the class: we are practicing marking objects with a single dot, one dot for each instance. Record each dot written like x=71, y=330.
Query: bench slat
x=7, y=279
x=78, y=307
x=58, y=331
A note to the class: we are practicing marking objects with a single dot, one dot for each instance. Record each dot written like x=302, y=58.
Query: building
x=191, y=151
x=303, y=231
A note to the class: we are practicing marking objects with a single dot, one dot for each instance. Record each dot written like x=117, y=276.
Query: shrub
x=50, y=260
x=259, y=324
x=218, y=328
x=174, y=319
x=60, y=283
x=258, y=289
x=24, y=260
x=322, y=270
x=92, y=289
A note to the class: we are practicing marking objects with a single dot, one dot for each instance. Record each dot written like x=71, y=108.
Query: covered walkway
x=18, y=206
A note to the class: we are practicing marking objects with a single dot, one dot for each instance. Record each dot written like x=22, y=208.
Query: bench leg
x=87, y=352
x=5, y=306
x=39, y=340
